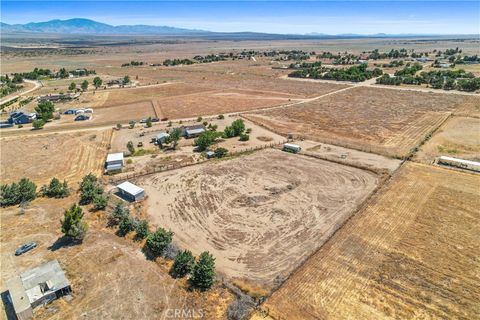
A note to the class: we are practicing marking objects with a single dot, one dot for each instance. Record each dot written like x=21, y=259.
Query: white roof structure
x=194, y=131
x=291, y=145
x=130, y=188
x=162, y=135
x=460, y=160
x=115, y=157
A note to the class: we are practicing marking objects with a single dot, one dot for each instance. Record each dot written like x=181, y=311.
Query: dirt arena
x=458, y=137
x=412, y=253
x=383, y=121
x=260, y=215
x=67, y=156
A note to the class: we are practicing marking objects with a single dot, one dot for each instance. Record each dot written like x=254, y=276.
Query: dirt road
x=37, y=84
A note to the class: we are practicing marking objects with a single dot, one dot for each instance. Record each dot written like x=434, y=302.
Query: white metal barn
x=130, y=191
x=114, y=161
x=295, y=148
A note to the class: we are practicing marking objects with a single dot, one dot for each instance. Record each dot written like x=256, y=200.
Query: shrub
x=131, y=124
x=203, y=274
x=130, y=147
x=169, y=124
x=38, y=124
x=240, y=309
x=100, y=201
x=142, y=229
x=55, y=189
x=72, y=225
x=16, y=193
x=159, y=240
x=199, y=119
x=45, y=110
x=149, y=122
x=129, y=161
x=126, y=225
x=205, y=123
x=119, y=126
x=221, y=116
x=89, y=188
x=220, y=152
x=119, y=213
x=249, y=130
x=244, y=137
x=205, y=140
x=183, y=264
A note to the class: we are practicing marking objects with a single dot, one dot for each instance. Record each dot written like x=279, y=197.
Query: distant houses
x=58, y=97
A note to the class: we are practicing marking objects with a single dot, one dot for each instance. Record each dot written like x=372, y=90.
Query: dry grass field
x=110, y=276
x=260, y=215
x=411, y=253
x=458, y=137
x=67, y=156
x=383, y=121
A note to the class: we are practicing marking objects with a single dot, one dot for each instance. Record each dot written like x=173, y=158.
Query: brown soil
x=411, y=253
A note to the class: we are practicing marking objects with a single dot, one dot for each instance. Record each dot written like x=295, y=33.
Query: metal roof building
x=114, y=161
x=130, y=191
x=36, y=287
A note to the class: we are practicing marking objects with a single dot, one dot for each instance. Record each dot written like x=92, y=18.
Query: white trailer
x=460, y=163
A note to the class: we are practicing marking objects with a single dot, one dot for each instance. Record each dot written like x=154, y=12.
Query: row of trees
x=202, y=271
x=25, y=191
x=39, y=73
x=208, y=138
x=97, y=82
x=10, y=85
x=133, y=63
x=355, y=73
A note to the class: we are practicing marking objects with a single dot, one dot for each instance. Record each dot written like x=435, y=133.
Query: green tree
x=220, y=152
x=238, y=127
x=45, y=110
x=220, y=117
x=100, y=201
x=38, y=124
x=203, y=274
x=130, y=147
x=125, y=226
x=55, y=189
x=174, y=137
x=72, y=86
x=142, y=229
x=97, y=82
x=84, y=85
x=119, y=212
x=126, y=80
x=205, y=140
x=16, y=193
x=72, y=225
x=89, y=188
x=183, y=264
x=199, y=119
x=244, y=137
x=159, y=240
x=149, y=122
x=62, y=73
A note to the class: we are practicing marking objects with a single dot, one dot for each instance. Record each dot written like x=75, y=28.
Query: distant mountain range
x=79, y=26
x=87, y=26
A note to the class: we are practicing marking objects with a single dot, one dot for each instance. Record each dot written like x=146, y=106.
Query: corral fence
x=146, y=172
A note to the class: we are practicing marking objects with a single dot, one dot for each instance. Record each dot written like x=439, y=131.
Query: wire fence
x=133, y=175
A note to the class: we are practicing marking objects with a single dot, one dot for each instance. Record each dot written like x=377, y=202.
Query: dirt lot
x=383, y=121
x=260, y=215
x=67, y=156
x=411, y=253
x=110, y=276
x=458, y=137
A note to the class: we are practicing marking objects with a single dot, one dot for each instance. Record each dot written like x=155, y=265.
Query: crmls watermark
x=184, y=313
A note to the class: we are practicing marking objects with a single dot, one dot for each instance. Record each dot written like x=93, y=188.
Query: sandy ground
x=260, y=215
x=110, y=276
x=458, y=137
x=410, y=254
x=42, y=157
x=376, y=120
x=349, y=156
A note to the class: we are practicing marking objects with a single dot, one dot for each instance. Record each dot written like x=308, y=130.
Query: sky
x=286, y=17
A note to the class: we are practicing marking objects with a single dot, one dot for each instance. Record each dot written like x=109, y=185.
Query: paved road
x=36, y=84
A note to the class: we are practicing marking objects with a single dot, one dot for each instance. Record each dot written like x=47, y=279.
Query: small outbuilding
x=114, y=161
x=460, y=163
x=37, y=286
x=290, y=147
x=161, y=137
x=130, y=191
x=193, y=131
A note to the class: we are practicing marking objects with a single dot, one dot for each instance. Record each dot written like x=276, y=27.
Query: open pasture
x=458, y=137
x=410, y=253
x=260, y=215
x=383, y=121
x=67, y=156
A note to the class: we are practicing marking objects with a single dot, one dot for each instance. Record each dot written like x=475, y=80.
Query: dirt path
x=37, y=84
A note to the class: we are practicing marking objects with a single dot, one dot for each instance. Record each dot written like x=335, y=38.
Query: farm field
x=260, y=215
x=410, y=253
x=383, y=121
x=111, y=278
x=458, y=137
x=67, y=156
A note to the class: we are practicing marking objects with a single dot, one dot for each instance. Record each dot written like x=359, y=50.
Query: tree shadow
x=63, y=242
x=8, y=306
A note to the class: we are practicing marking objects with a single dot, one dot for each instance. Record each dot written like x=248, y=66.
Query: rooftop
x=460, y=160
x=115, y=157
x=130, y=188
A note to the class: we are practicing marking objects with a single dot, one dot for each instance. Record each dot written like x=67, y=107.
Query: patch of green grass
x=142, y=152
x=443, y=149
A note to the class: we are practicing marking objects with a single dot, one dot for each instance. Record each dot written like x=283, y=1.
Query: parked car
x=70, y=111
x=143, y=121
x=82, y=118
x=155, y=120
x=79, y=111
x=89, y=110
x=164, y=119
x=26, y=247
